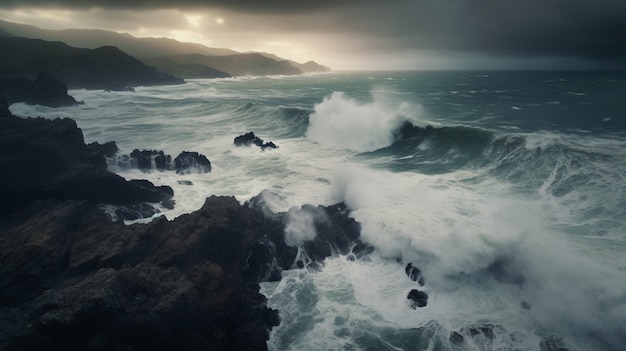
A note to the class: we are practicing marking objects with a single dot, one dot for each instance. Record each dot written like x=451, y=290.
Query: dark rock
x=250, y=139
x=50, y=91
x=415, y=274
x=142, y=159
x=417, y=298
x=108, y=149
x=168, y=204
x=525, y=305
x=48, y=159
x=336, y=233
x=186, y=162
x=46, y=89
x=162, y=161
x=72, y=279
x=191, y=162
x=456, y=339
x=185, y=182
x=270, y=145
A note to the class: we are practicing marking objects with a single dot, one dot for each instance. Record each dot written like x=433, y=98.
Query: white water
x=453, y=225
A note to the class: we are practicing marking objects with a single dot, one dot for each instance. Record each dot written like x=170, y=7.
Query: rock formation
x=250, y=139
x=146, y=160
x=48, y=159
x=72, y=279
x=46, y=90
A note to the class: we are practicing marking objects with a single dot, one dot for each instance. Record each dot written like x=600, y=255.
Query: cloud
x=509, y=29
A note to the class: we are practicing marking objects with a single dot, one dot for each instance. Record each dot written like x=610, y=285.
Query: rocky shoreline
x=73, y=279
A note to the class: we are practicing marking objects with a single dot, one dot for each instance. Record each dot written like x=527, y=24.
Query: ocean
x=506, y=189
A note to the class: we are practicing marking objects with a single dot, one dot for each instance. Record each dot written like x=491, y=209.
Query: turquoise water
x=456, y=172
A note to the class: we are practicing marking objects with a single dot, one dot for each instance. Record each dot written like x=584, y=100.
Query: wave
x=473, y=242
x=433, y=149
x=345, y=123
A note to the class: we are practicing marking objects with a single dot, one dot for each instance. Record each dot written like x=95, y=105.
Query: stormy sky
x=366, y=34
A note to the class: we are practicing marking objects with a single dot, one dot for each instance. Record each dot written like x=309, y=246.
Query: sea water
x=507, y=190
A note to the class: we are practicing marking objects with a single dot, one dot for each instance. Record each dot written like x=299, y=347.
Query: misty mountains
x=119, y=55
x=106, y=67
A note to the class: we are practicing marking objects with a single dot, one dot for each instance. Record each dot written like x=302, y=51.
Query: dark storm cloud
x=261, y=6
x=514, y=28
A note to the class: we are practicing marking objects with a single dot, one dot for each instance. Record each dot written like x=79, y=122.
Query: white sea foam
x=454, y=226
x=456, y=234
x=344, y=123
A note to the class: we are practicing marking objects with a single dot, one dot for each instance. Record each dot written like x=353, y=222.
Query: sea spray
x=514, y=216
x=344, y=123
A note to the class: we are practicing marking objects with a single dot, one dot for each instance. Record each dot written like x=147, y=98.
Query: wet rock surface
x=72, y=279
x=249, y=139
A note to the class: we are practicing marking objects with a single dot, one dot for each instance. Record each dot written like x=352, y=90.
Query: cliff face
x=71, y=279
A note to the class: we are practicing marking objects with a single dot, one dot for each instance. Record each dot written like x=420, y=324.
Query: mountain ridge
x=106, y=67
x=154, y=50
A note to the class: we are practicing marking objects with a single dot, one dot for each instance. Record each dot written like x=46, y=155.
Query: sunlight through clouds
x=194, y=20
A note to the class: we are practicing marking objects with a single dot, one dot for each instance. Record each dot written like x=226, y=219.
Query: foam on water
x=342, y=122
x=498, y=205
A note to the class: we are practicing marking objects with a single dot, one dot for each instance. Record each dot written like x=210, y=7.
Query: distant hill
x=167, y=55
x=237, y=65
x=307, y=67
x=95, y=38
x=106, y=67
x=188, y=70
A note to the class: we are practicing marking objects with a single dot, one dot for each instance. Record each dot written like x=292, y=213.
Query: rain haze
x=369, y=34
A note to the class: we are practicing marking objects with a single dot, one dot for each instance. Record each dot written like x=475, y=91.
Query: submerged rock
x=417, y=298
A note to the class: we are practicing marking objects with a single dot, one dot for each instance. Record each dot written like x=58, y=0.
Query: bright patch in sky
x=194, y=20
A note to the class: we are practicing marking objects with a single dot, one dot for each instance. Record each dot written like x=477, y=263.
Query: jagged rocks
x=191, y=161
x=72, y=279
x=186, y=162
x=249, y=139
x=415, y=274
x=48, y=159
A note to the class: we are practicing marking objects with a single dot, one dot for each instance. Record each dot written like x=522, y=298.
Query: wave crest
x=344, y=123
